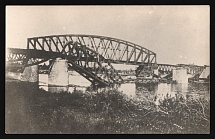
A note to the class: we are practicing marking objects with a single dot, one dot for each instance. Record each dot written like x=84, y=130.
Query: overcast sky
x=177, y=34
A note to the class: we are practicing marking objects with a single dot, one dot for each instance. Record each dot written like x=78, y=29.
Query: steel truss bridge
x=191, y=69
x=86, y=53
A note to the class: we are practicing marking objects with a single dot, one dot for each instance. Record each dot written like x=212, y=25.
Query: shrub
x=33, y=110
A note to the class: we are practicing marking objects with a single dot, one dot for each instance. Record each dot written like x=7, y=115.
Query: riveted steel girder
x=112, y=49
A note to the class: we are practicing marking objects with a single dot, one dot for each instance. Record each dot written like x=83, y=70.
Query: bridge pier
x=30, y=74
x=180, y=75
x=58, y=77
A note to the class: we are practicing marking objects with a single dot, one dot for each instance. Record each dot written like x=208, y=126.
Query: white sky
x=177, y=34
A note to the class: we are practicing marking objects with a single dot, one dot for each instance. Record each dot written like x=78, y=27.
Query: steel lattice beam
x=115, y=50
x=191, y=69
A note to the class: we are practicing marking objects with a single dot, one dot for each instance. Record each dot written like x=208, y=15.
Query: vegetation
x=33, y=110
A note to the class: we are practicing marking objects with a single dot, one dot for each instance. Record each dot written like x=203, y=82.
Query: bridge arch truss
x=111, y=49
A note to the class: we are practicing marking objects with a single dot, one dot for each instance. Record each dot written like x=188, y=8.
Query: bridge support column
x=180, y=75
x=58, y=76
x=30, y=74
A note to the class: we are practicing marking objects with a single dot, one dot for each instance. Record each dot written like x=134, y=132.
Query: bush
x=33, y=110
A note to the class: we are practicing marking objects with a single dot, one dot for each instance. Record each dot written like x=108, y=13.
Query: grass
x=32, y=110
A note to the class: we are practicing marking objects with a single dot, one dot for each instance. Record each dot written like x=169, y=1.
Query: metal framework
x=191, y=69
x=166, y=67
x=20, y=57
x=112, y=49
x=83, y=50
x=82, y=59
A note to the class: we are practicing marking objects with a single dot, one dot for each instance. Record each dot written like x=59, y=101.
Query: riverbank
x=33, y=110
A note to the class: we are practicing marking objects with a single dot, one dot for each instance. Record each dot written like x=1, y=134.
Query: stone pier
x=180, y=75
x=58, y=78
x=30, y=74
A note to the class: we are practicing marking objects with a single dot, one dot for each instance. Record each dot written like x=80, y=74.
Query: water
x=160, y=90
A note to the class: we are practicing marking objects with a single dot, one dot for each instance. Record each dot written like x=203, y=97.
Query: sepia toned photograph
x=115, y=69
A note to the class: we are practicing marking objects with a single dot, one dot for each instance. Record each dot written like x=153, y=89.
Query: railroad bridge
x=87, y=55
x=191, y=69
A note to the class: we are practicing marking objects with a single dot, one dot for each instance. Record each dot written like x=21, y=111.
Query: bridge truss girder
x=191, y=69
x=80, y=50
x=79, y=58
x=166, y=67
x=111, y=49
